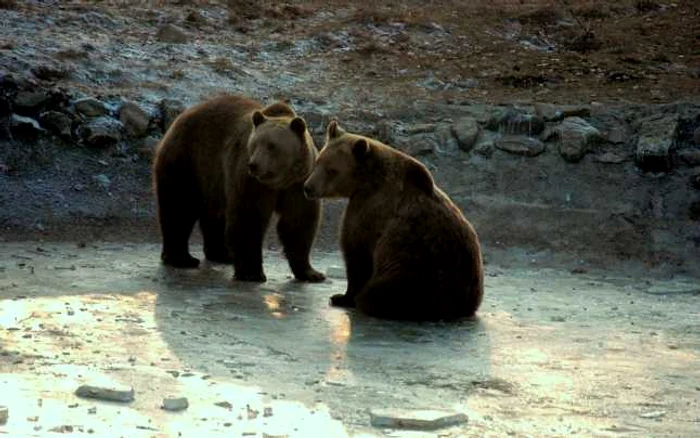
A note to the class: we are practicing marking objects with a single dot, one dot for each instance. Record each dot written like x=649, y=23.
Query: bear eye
x=271, y=147
x=332, y=172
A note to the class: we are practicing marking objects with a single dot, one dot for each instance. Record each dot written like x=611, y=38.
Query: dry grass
x=8, y=4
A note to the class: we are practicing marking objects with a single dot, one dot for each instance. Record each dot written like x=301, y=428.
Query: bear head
x=280, y=149
x=338, y=165
x=350, y=163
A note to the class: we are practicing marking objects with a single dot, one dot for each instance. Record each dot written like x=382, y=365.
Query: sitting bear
x=409, y=252
x=230, y=163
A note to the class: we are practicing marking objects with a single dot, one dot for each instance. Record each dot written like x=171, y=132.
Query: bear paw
x=343, y=300
x=311, y=276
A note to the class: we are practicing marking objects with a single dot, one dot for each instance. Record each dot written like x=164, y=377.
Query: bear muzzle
x=309, y=192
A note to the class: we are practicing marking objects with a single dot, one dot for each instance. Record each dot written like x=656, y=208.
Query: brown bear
x=409, y=251
x=230, y=163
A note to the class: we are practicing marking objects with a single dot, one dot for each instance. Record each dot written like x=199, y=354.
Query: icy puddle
x=553, y=353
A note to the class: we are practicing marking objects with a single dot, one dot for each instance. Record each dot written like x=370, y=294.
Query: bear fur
x=409, y=251
x=230, y=163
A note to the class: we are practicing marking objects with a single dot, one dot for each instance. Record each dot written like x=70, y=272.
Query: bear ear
x=258, y=118
x=333, y=130
x=360, y=149
x=298, y=126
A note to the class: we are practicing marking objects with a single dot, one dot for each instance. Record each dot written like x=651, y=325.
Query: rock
x=610, y=158
x=653, y=415
x=134, y=119
x=4, y=414
x=335, y=271
x=485, y=148
x=515, y=122
x=24, y=128
x=117, y=393
x=467, y=131
x=51, y=72
x=90, y=107
x=554, y=113
x=420, y=128
x=171, y=34
x=618, y=135
x=520, y=145
x=696, y=136
x=102, y=180
x=57, y=123
x=689, y=157
x=417, y=145
x=446, y=143
x=30, y=103
x=101, y=132
x=575, y=137
x=170, y=109
x=175, y=404
x=415, y=419
x=655, y=143
x=148, y=147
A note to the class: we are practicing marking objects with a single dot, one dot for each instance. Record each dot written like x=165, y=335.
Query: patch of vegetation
x=8, y=4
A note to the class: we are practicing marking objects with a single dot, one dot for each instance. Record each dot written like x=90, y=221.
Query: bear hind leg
x=213, y=234
x=176, y=223
x=399, y=299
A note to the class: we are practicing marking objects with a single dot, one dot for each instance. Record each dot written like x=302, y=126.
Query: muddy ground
x=590, y=322
x=552, y=353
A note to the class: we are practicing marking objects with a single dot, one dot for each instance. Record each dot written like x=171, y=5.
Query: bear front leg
x=296, y=228
x=247, y=220
x=358, y=269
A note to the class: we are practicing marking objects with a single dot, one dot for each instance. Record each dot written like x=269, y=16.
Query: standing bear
x=409, y=252
x=230, y=163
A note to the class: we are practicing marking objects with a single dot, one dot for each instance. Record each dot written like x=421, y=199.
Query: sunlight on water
x=114, y=339
x=340, y=331
x=273, y=302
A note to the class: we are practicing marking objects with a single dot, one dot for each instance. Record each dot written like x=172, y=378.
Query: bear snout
x=309, y=192
x=253, y=168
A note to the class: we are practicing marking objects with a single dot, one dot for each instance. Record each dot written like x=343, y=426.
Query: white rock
x=118, y=393
x=428, y=419
x=175, y=403
x=4, y=414
x=653, y=415
x=335, y=272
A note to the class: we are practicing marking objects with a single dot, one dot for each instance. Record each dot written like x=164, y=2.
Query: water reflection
x=339, y=335
x=273, y=303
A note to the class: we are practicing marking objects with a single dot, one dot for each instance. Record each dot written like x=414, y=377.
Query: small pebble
x=116, y=393
x=175, y=403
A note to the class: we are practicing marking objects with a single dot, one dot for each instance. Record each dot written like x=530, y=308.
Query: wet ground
x=554, y=352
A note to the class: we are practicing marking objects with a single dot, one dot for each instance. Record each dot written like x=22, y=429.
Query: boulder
x=57, y=122
x=30, y=103
x=689, y=157
x=24, y=128
x=90, y=107
x=515, y=122
x=655, y=143
x=134, y=119
x=101, y=132
x=575, y=137
x=172, y=34
x=466, y=130
x=520, y=145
